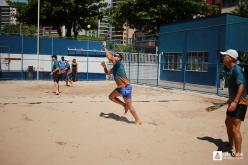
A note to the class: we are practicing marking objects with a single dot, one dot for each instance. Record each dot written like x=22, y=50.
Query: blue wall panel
x=13, y=43
x=29, y=45
x=47, y=45
x=236, y=33
x=210, y=35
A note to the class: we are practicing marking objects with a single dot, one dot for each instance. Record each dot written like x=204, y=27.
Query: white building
x=121, y=36
x=6, y=14
x=13, y=12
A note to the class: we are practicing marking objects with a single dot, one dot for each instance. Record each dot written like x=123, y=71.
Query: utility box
x=30, y=72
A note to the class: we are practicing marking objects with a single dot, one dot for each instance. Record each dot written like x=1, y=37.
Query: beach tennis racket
x=216, y=106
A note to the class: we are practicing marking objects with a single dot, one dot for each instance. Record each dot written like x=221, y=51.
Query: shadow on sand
x=115, y=117
x=222, y=146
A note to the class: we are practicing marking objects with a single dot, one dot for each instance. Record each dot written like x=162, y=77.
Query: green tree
x=242, y=8
x=20, y=29
x=148, y=15
x=74, y=14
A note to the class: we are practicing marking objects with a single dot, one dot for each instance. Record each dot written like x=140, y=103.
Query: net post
x=129, y=65
x=184, y=60
x=38, y=41
x=158, y=62
x=217, y=78
x=22, y=62
x=87, y=74
x=138, y=69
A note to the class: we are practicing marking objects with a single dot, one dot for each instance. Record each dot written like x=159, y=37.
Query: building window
x=197, y=61
x=172, y=61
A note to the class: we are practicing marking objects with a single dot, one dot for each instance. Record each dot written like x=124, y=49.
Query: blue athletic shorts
x=126, y=92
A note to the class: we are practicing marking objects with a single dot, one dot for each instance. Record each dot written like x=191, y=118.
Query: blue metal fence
x=48, y=45
x=188, y=55
x=148, y=71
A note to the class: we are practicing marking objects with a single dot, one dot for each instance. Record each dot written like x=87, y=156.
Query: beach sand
x=82, y=127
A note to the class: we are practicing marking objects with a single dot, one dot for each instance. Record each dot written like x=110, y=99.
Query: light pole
x=38, y=40
x=21, y=48
x=87, y=75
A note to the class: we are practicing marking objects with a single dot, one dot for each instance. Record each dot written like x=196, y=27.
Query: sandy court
x=82, y=127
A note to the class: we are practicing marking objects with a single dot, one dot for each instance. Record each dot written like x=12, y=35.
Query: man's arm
x=55, y=71
x=108, y=54
x=107, y=72
x=239, y=93
x=235, y=102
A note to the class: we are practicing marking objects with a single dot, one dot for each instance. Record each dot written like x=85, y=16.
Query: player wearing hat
x=237, y=99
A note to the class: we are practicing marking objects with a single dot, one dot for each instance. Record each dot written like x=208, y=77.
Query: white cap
x=231, y=52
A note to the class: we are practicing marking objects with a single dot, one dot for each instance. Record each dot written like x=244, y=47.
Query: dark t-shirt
x=119, y=74
x=119, y=71
x=55, y=65
x=235, y=77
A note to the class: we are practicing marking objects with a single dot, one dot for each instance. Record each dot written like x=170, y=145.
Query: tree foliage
x=20, y=29
x=148, y=15
x=74, y=14
x=242, y=8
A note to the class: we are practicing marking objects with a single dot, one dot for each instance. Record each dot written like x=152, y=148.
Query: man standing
x=62, y=67
x=237, y=99
x=124, y=88
x=67, y=70
x=74, y=67
x=56, y=73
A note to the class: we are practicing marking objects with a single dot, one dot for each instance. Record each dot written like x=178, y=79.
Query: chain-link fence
x=186, y=59
x=141, y=68
x=15, y=68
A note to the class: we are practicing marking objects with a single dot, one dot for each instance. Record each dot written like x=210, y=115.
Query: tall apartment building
x=13, y=19
x=6, y=14
x=121, y=36
x=104, y=27
x=116, y=34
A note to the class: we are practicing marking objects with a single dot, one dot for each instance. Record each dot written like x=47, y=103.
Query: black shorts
x=239, y=112
x=57, y=78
